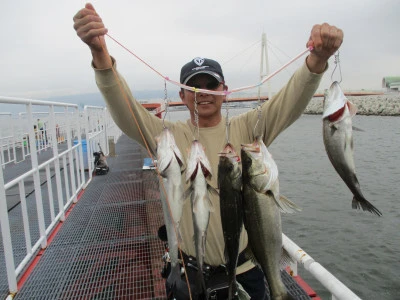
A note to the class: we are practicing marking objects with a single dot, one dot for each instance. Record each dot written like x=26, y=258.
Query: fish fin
x=283, y=203
x=348, y=141
x=249, y=255
x=163, y=164
x=242, y=294
x=226, y=256
x=177, y=190
x=365, y=205
x=286, y=259
x=201, y=289
x=211, y=190
x=209, y=204
x=188, y=193
x=183, y=199
x=287, y=206
x=194, y=205
x=179, y=237
x=194, y=239
x=357, y=129
x=352, y=108
x=333, y=126
x=174, y=276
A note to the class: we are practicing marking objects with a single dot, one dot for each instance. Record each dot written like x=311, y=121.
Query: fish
x=170, y=166
x=262, y=218
x=197, y=172
x=265, y=175
x=338, y=140
x=231, y=210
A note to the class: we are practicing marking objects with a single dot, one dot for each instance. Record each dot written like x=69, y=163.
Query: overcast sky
x=41, y=56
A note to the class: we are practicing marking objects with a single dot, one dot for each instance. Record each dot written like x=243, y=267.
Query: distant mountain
x=96, y=99
x=92, y=99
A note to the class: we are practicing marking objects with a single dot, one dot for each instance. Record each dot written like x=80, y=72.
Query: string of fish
x=225, y=92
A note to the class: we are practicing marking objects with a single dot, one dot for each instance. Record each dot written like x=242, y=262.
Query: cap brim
x=213, y=74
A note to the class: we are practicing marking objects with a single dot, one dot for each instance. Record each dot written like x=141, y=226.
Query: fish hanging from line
x=338, y=141
x=262, y=220
x=231, y=209
x=198, y=170
x=170, y=165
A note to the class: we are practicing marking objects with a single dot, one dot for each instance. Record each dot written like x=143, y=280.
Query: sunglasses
x=211, y=85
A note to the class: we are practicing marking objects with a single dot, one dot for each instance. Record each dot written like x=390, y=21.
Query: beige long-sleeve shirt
x=277, y=114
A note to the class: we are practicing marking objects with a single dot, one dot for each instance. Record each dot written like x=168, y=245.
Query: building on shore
x=391, y=83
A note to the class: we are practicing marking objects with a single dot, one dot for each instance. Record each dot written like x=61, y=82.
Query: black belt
x=191, y=262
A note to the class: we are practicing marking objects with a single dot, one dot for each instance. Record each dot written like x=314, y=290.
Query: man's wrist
x=316, y=64
x=101, y=59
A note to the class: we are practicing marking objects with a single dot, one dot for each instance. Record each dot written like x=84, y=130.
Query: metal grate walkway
x=108, y=246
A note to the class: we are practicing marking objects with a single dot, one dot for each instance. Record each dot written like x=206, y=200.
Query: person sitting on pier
x=276, y=115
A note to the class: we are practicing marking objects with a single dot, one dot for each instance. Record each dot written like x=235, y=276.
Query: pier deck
x=107, y=248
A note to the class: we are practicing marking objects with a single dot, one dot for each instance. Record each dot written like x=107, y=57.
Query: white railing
x=8, y=143
x=58, y=131
x=66, y=186
x=95, y=132
x=338, y=290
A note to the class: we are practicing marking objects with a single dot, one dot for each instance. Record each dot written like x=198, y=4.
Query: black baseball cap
x=201, y=65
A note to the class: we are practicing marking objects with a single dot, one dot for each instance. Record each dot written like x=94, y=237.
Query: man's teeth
x=204, y=103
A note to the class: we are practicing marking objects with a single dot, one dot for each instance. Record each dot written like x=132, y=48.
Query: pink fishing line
x=222, y=93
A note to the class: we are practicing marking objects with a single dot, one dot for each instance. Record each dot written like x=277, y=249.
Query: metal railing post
x=105, y=128
x=79, y=130
x=88, y=142
x=36, y=180
x=7, y=244
x=71, y=160
x=57, y=166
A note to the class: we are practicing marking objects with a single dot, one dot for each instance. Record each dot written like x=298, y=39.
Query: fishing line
x=258, y=117
x=227, y=124
x=166, y=104
x=196, y=117
x=223, y=93
x=337, y=63
x=152, y=158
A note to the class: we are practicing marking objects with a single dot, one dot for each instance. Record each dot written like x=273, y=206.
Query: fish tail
x=286, y=206
x=174, y=276
x=364, y=204
x=287, y=296
x=233, y=290
x=200, y=284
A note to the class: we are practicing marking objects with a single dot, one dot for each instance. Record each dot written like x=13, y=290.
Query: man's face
x=208, y=105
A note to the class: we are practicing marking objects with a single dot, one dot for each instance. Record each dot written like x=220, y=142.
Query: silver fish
x=170, y=165
x=262, y=217
x=198, y=169
x=265, y=176
x=338, y=141
x=231, y=209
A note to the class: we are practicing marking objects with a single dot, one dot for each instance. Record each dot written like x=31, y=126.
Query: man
x=277, y=114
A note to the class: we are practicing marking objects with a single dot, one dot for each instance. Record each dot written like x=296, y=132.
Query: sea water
x=361, y=249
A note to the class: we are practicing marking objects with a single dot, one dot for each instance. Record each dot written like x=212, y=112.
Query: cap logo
x=198, y=61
